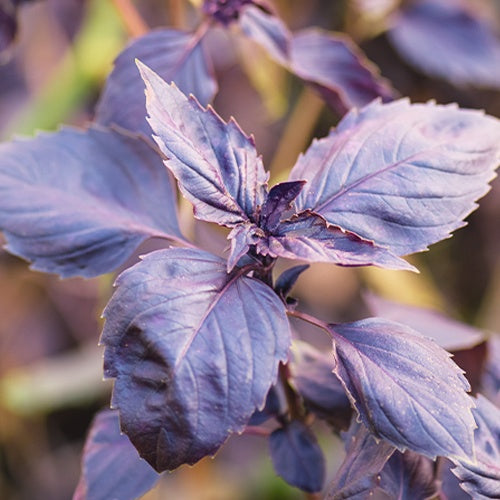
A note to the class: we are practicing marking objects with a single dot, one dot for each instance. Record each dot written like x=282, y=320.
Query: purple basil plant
x=200, y=347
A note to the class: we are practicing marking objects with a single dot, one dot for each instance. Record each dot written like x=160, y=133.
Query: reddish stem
x=133, y=21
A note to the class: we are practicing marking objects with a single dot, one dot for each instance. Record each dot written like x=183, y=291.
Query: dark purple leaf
x=491, y=376
x=321, y=390
x=308, y=237
x=8, y=24
x=174, y=55
x=267, y=30
x=216, y=164
x=272, y=408
x=224, y=11
x=357, y=477
x=287, y=279
x=449, y=485
x=405, y=387
x=450, y=40
x=194, y=352
x=279, y=201
x=450, y=334
x=409, y=476
x=403, y=175
x=241, y=238
x=111, y=466
x=78, y=203
x=337, y=68
x=297, y=456
x=482, y=479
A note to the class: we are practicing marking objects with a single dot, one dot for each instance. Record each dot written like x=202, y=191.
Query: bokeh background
x=50, y=364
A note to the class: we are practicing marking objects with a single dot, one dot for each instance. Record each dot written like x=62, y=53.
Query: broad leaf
x=78, y=203
x=308, y=237
x=450, y=40
x=194, y=352
x=450, y=334
x=111, y=466
x=267, y=30
x=404, y=387
x=409, y=476
x=321, y=390
x=399, y=174
x=337, y=68
x=358, y=477
x=297, y=456
x=174, y=55
x=216, y=164
x=482, y=479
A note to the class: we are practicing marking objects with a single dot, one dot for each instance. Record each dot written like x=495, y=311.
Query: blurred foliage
x=50, y=367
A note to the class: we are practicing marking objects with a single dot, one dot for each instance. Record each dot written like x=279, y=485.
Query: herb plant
x=199, y=346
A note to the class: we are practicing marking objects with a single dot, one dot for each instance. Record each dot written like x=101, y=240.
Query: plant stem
x=135, y=24
x=294, y=405
x=310, y=319
x=176, y=13
x=255, y=430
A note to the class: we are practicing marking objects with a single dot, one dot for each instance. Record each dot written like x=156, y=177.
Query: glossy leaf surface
x=482, y=479
x=111, y=466
x=403, y=175
x=450, y=40
x=409, y=476
x=216, y=164
x=357, y=477
x=404, y=387
x=194, y=352
x=297, y=456
x=89, y=198
x=337, y=68
x=308, y=237
x=175, y=55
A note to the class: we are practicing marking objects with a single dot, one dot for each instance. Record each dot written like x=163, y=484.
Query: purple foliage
x=399, y=174
x=481, y=477
x=450, y=40
x=404, y=399
x=196, y=379
x=85, y=206
x=297, y=456
x=174, y=55
x=337, y=68
x=224, y=11
x=200, y=347
x=357, y=477
x=111, y=465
